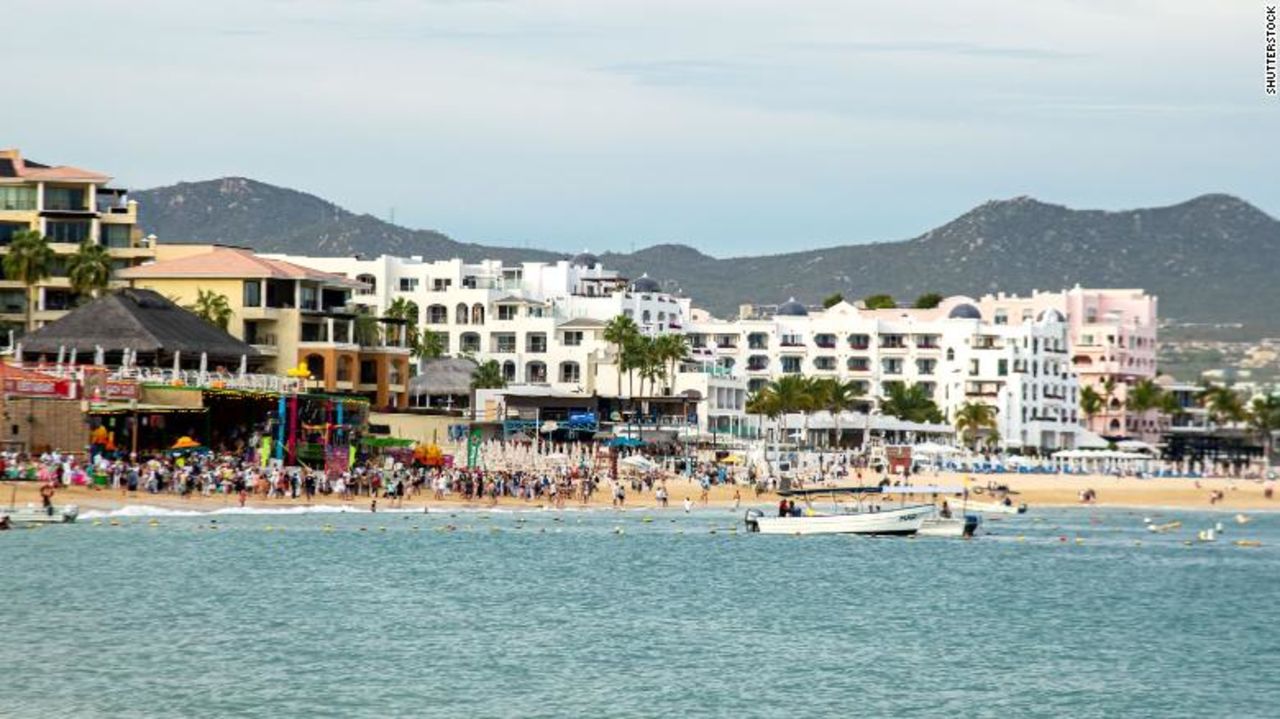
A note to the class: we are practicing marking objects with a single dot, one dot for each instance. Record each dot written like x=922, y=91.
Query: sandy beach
x=1034, y=490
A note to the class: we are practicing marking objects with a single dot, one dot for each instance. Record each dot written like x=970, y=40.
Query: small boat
x=32, y=515
x=1243, y=519
x=902, y=520
x=1163, y=528
x=962, y=527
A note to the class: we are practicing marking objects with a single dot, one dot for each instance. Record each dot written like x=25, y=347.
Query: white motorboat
x=32, y=515
x=962, y=525
x=844, y=518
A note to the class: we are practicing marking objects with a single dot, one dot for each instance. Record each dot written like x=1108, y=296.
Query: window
x=440, y=285
x=645, y=317
x=951, y=354
x=1002, y=367
x=408, y=284
x=470, y=343
x=252, y=293
x=973, y=367
x=65, y=198
x=368, y=372
x=116, y=236
x=437, y=314
x=1026, y=315
x=825, y=340
x=572, y=339
x=507, y=312
x=69, y=231
x=569, y=372
x=509, y=371
x=927, y=366
x=535, y=342
x=504, y=342
x=310, y=298
x=791, y=365
x=824, y=363
x=371, y=284
x=17, y=198
x=9, y=229
x=891, y=365
x=757, y=363
x=477, y=314
x=858, y=364
x=1002, y=317
x=758, y=341
x=859, y=341
x=535, y=372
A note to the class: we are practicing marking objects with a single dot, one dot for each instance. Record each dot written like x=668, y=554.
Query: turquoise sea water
x=557, y=614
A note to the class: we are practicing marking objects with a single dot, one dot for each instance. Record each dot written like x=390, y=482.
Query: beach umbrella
x=204, y=363
x=177, y=358
x=62, y=353
x=99, y=356
x=244, y=365
x=17, y=353
x=72, y=361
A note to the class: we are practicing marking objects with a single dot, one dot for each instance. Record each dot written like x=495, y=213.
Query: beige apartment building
x=68, y=205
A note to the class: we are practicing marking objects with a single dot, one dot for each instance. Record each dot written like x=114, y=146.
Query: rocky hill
x=1210, y=259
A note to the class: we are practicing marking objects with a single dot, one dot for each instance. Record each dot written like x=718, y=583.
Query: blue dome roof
x=584, y=259
x=965, y=311
x=644, y=283
x=791, y=308
x=1051, y=315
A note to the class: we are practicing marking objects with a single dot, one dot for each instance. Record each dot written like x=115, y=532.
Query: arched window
x=570, y=372
x=315, y=366
x=509, y=371
x=477, y=314
x=535, y=372
x=437, y=315
x=470, y=342
x=460, y=313
x=951, y=354
x=645, y=317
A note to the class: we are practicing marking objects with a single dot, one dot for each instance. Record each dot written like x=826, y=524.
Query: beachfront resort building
x=1022, y=370
x=292, y=315
x=543, y=323
x=1111, y=335
x=69, y=206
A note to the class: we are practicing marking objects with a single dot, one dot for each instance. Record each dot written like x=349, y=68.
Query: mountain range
x=1209, y=259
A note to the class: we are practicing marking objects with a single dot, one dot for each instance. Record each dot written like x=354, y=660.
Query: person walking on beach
x=688, y=504
x=46, y=498
x=737, y=500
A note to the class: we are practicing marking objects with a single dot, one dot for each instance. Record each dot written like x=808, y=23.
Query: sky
x=735, y=126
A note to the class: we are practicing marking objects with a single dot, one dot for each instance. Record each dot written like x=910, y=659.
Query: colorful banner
x=32, y=387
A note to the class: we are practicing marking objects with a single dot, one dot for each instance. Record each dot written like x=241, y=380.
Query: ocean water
x=641, y=613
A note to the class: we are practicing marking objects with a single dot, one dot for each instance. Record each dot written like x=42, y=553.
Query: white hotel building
x=1023, y=371
x=542, y=322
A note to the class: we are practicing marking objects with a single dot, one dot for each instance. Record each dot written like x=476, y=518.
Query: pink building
x=1112, y=334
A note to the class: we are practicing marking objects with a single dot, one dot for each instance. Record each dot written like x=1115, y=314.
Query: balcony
x=987, y=343
x=982, y=389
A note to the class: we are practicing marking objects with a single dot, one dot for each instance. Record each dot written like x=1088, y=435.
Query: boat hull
x=29, y=516
x=951, y=527
x=893, y=522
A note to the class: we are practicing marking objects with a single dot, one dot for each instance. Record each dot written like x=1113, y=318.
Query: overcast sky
x=735, y=126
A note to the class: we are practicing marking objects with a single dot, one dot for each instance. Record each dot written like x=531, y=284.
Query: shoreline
x=1036, y=491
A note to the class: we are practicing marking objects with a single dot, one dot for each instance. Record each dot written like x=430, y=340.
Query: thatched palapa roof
x=445, y=376
x=139, y=320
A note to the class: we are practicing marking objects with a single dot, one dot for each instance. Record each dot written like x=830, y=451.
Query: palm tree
x=30, y=259
x=791, y=393
x=1091, y=403
x=910, y=403
x=488, y=376
x=1108, y=396
x=89, y=269
x=1143, y=397
x=367, y=331
x=1264, y=421
x=430, y=344
x=1224, y=405
x=974, y=417
x=621, y=332
x=212, y=307
x=670, y=350
x=407, y=310
x=841, y=397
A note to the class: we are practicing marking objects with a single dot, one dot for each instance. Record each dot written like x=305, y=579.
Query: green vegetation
x=927, y=301
x=213, y=308
x=879, y=302
x=29, y=260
